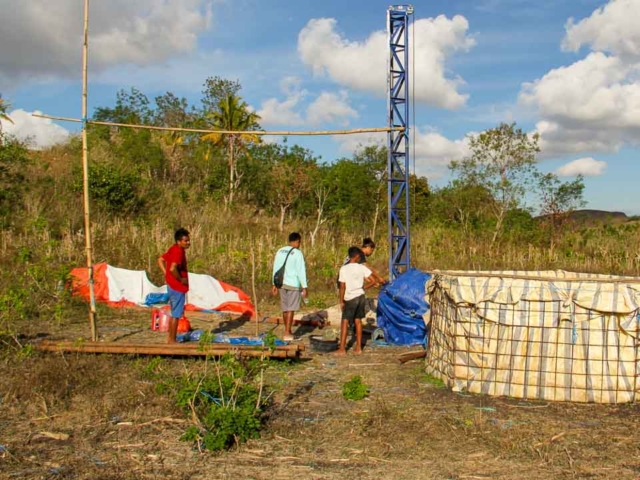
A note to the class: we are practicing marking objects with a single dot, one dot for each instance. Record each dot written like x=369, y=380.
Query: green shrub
x=14, y=157
x=113, y=189
x=228, y=403
x=354, y=389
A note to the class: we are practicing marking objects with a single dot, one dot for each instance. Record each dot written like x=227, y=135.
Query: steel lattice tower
x=398, y=141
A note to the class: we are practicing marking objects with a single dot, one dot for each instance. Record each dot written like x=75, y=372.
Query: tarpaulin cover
x=548, y=335
x=120, y=287
x=401, y=309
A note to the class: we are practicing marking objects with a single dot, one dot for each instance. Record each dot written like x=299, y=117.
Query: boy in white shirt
x=353, y=279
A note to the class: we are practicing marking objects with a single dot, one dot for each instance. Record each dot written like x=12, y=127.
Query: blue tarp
x=194, y=336
x=155, y=298
x=401, y=306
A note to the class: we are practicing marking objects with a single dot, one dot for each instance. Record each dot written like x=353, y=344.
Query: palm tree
x=233, y=114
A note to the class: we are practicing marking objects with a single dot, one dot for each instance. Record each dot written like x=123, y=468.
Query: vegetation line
x=226, y=132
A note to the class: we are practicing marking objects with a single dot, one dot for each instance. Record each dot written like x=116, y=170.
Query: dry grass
x=118, y=428
x=408, y=428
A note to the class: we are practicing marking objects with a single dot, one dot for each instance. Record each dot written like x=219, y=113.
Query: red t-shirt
x=176, y=254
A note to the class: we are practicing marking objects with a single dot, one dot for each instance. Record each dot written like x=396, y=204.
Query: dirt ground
x=98, y=417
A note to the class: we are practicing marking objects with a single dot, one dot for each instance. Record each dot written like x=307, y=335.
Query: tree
x=322, y=190
x=290, y=178
x=462, y=205
x=131, y=107
x=374, y=159
x=256, y=166
x=4, y=108
x=14, y=158
x=113, y=189
x=502, y=160
x=420, y=198
x=172, y=111
x=135, y=149
x=233, y=114
x=216, y=89
x=558, y=199
x=354, y=189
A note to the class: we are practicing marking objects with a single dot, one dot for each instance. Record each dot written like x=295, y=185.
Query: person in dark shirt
x=366, y=250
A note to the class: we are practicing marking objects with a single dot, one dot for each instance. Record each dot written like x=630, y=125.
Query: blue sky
x=320, y=65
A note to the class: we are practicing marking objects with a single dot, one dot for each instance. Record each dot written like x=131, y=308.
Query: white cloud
x=433, y=151
x=329, y=108
x=597, y=89
x=561, y=139
x=592, y=105
x=40, y=38
x=37, y=132
x=326, y=108
x=363, y=65
x=350, y=143
x=612, y=28
x=276, y=112
x=588, y=166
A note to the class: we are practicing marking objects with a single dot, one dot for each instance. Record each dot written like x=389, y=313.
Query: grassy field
x=37, y=256
x=86, y=417
x=73, y=416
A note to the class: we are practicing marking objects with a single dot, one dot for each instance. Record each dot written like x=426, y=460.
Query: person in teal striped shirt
x=294, y=285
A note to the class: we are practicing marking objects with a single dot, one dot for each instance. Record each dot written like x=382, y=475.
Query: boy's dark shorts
x=354, y=309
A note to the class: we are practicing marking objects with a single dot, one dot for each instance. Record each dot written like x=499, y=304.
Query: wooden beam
x=405, y=357
x=178, y=349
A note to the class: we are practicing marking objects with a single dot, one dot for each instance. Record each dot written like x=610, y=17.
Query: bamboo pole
x=179, y=349
x=224, y=132
x=49, y=344
x=253, y=286
x=85, y=175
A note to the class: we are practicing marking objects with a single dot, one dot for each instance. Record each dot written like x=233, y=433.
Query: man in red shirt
x=173, y=264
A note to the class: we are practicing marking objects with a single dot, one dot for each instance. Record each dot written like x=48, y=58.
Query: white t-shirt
x=353, y=276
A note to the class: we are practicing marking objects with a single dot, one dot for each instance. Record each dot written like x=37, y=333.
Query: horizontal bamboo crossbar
x=224, y=132
x=177, y=349
x=480, y=274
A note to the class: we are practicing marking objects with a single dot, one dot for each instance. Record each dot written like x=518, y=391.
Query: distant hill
x=598, y=216
x=590, y=217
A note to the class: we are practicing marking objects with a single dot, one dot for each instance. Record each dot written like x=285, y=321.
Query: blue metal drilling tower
x=398, y=140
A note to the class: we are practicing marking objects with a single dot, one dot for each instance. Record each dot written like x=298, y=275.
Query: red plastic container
x=160, y=321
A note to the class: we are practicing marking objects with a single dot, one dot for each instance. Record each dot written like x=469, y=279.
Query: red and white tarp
x=120, y=288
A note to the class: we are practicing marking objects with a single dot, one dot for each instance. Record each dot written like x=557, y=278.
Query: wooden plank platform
x=164, y=349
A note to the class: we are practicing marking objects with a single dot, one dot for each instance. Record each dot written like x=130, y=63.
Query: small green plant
x=226, y=404
x=269, y=340
x=436, y=382
x=205, y=340
x=355, y=389
x=26, y=351
x=152, y=368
